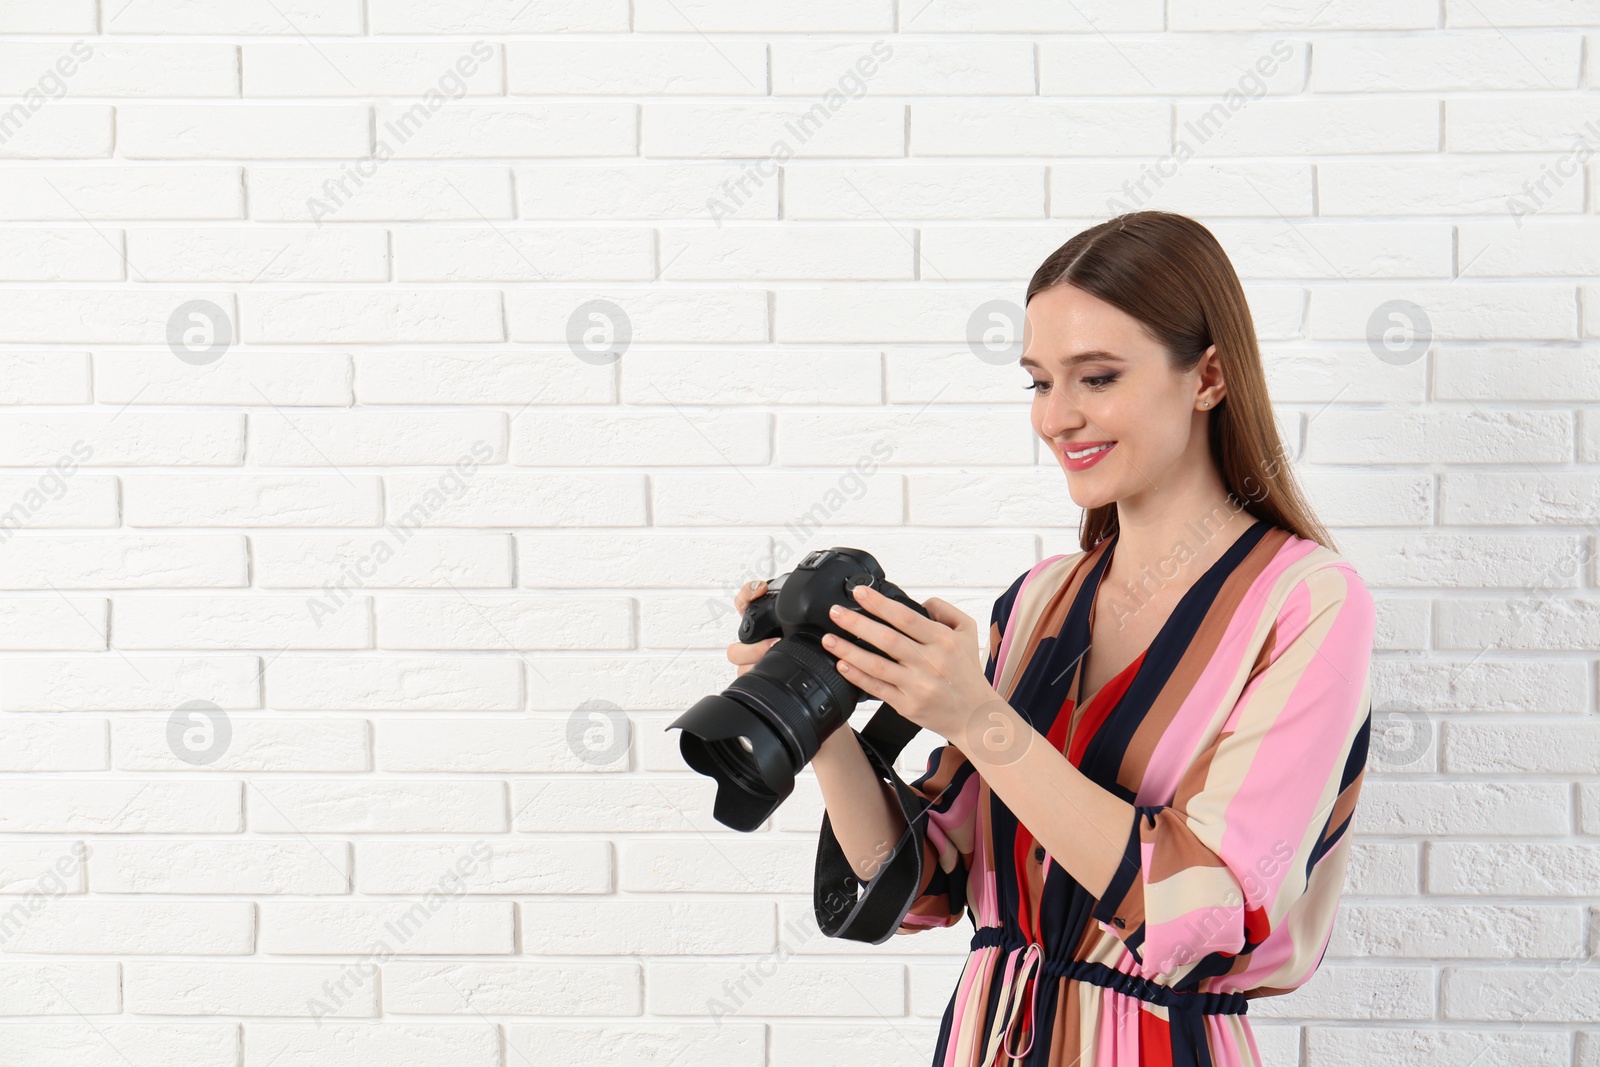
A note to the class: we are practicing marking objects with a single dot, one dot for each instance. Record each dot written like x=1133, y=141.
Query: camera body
x=770, y=721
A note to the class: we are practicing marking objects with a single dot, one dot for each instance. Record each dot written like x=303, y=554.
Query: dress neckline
x=1091, y=587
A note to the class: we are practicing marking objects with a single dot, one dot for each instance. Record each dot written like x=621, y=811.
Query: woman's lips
x=1085, y=462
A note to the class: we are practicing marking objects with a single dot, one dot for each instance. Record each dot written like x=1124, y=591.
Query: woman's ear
x=1211, y=376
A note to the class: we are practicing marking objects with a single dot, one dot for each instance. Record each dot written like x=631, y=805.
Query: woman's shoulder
x=1047, y=574
x=1298, y=558
x=1323, y=574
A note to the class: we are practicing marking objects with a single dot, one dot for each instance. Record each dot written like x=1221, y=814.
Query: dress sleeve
x=945, y=831
x=1255, y=839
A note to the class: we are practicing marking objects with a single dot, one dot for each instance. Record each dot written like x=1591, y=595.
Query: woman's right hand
x=745, y=656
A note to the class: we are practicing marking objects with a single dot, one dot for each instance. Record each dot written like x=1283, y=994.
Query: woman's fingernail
x=835, y=610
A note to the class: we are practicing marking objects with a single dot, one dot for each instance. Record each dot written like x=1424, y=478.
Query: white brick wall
x=322, y=545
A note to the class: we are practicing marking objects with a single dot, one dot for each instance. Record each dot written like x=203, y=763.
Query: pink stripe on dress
x=1007, y=637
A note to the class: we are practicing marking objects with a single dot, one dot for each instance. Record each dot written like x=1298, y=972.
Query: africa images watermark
x=451, y=85
x=737, y=991
x=851, y=485
x=851, y=85
x=51, y=85
x=1250, y=86
x=47, y=887
x=1204, y=929
x=49, y=489
x=355, y=574
x=1567, y=166
x=355, y=975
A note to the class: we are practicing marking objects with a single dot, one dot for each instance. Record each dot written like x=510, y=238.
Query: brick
x=732, y=16
x=1213, y=187
x=31, y=130
x=1447, y=62
x=807, y=129
x=242, y=131
x=113, y=192
x=123, y=70
x=519, y=253
x=199, y=866
x=1031, y=16
x=646, y=191
x=1248, y=67
x=480, y=130
x=348, y=316
x=1302, y=15
x=368, y=438
x=43, y=378
x=449, y=71
x=499, y=16
x=291, y=18
x=382, y=560
x=204, y=987
x=853, y=69
x=1310, y=126
x=637, y=67
x=265, y=254
x=240, y=378
x=1492, y=14
x=370, y=190
x=38, y=254
x=920, y=191
x=48, y=16
x=449, y=987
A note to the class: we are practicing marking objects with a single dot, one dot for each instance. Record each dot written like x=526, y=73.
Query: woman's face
x=1099, y=378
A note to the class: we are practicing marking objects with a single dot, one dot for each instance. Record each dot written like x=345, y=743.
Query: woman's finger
x=748, y=592
x=857, y=662
x=747, y=656
x=913, y=624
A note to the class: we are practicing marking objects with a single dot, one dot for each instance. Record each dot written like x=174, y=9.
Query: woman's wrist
x=839, y=747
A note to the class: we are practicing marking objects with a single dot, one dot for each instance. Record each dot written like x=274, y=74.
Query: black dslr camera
x=757, y=733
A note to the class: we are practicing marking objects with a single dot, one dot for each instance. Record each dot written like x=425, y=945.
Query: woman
x=1146, y=798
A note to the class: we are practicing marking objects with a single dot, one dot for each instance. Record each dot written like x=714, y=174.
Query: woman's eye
x=1095, y=382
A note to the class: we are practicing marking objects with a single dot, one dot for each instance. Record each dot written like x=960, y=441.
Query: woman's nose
x=1060, y=417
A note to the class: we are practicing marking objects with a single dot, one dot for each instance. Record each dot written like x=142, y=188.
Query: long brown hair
x=1170, y=273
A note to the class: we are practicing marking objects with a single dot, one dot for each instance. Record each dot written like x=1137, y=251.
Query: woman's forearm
x=1084, y=827
x=865, y=818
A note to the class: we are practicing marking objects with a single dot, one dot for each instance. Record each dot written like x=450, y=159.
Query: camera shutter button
x=855, y=580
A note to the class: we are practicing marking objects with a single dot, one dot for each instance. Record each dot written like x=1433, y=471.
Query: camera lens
x=733, y=760
x=756, y=735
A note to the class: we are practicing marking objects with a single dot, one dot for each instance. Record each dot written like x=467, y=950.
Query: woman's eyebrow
x=1073, y=360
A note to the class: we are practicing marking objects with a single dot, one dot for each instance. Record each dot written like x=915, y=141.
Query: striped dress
x=1238, y=736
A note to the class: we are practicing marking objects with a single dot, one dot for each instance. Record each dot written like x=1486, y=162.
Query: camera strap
x=875, y=914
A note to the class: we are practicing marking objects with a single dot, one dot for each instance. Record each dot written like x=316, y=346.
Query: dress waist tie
x=1020, y=981
x=1132, y=985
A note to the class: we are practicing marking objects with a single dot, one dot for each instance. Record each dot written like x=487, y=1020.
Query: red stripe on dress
x=1099, y=709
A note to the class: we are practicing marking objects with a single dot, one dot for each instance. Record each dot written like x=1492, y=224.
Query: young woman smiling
x=1150, y=836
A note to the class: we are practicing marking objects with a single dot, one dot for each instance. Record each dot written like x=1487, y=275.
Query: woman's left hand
x=934, y=677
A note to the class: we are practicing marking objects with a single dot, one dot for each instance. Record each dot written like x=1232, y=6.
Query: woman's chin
x=1085, y=499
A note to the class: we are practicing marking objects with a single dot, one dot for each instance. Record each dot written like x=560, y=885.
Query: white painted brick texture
x=393, y=393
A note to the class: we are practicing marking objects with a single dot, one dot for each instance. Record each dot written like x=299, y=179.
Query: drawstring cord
x=1012, y=988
